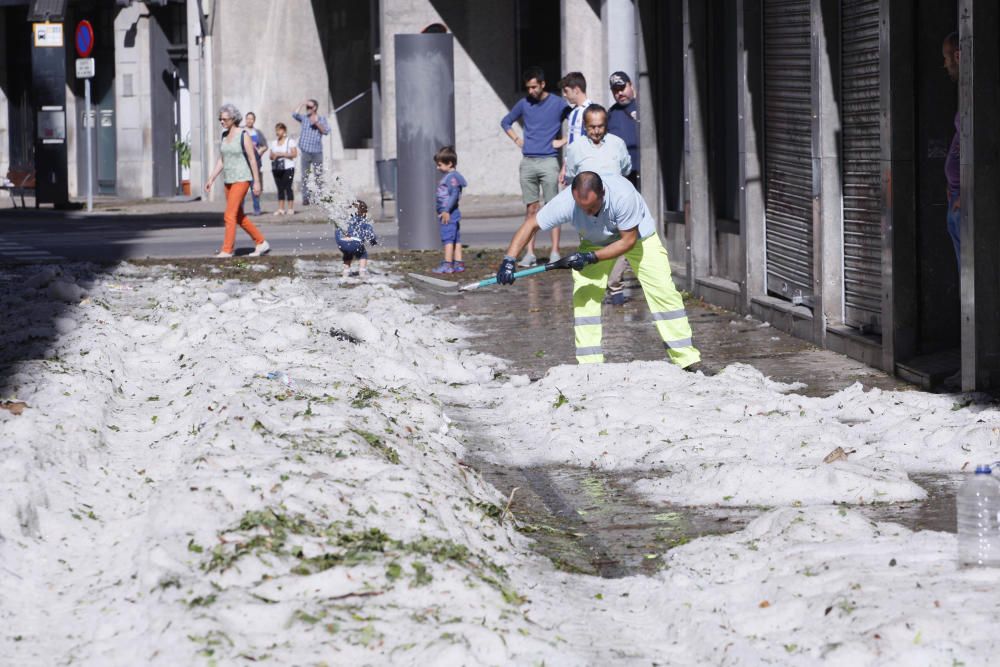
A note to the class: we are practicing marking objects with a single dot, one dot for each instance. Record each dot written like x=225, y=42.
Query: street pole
x=89, y=127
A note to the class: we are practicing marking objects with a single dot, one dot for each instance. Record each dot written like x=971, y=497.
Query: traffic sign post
x=85, y=68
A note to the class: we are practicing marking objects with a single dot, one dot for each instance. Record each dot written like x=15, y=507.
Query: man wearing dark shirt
x=623, y=122
x=623, y=119
x=542, y=115
x=952, y=163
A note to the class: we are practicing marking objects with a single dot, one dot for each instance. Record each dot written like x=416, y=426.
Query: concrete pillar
x=203, y=147
x=979, y=99
x=649, y=156
x=697, y=203
x=620, y=42
x=4, y=103
x=900, y=319
x=132, y=101
x=425, y=121
x=749, y=59
x=581, y=28
x=828, y=223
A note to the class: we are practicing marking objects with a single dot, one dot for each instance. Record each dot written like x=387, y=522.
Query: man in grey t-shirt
x=613, y=220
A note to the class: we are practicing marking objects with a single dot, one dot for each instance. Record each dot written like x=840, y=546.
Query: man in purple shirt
x=953, y=163
x=542, y=115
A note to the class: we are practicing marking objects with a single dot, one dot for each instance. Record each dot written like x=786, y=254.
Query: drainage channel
x=590, y=521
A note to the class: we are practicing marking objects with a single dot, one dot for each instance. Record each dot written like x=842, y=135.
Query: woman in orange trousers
x=238, y=172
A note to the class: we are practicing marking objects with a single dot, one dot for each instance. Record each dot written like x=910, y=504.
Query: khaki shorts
x=539, y=174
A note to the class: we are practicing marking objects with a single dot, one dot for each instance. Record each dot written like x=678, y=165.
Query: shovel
x=519, y=274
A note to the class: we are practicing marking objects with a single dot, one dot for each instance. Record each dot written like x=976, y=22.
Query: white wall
x=582, y=36
x=486, y=156
x=268, y=58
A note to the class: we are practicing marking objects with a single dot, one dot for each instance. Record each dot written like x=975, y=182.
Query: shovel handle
x=493, y=280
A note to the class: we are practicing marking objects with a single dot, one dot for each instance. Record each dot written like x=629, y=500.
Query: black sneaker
x=618, y=299
x=697, y=367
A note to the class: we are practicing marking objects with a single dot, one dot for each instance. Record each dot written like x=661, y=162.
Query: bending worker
x=612, y=219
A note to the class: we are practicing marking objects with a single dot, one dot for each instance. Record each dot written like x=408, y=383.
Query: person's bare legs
x=555, y=241
x=531, y=210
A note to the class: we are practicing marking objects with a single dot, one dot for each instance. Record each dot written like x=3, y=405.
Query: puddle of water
x=589, y=521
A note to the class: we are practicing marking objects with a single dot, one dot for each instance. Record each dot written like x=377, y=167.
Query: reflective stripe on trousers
x=651, y=266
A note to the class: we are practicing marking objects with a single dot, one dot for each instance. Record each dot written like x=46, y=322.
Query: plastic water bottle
x=282, y=377
x=978, y=504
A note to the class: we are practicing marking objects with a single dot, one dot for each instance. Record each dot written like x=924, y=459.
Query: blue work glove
x=505, y=274
x=577, y=261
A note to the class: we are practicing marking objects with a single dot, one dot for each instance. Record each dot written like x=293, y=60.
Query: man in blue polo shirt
x=613, y=220
x=542, y=115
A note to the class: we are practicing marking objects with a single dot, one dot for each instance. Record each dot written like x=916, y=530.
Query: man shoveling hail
x=612, y=219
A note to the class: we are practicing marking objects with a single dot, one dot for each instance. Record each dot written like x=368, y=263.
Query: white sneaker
x=346, y=273
x=554, y=256
x=261, y=249
x=279, y=212
x=223, y=255
x=528, y=260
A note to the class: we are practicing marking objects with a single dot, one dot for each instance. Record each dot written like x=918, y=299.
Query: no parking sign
x=84, y=39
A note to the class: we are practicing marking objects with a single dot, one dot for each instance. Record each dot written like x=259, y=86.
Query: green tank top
x=235, y=167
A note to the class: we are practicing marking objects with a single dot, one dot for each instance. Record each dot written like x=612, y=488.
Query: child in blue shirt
x=352, y=241
x=449, y=191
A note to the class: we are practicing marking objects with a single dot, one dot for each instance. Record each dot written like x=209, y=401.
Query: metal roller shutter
x=788, y=149
x=860, y=152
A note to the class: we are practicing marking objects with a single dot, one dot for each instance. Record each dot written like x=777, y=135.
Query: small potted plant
x=183, y=149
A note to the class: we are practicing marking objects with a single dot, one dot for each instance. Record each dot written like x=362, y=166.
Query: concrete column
x=132, y=101
x=581, y=28
x=697, y=203
x=749, y=61
x=620, y=43
x=649, y=156
x=979, y=99
x=900, y=321
x=4, y=103
x=828, y=221
x=203, y=149
x=425, y=121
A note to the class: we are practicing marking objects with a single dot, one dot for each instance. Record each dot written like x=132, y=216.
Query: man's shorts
x=451, y=233
x=539, y=179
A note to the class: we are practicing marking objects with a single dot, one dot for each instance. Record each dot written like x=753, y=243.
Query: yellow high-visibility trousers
x=648, y=259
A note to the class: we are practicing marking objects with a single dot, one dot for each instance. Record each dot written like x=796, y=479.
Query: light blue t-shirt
x=623, y=208
x=606, y=158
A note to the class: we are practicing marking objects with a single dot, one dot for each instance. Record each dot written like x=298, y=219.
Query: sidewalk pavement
x=472, y=207
x=170, y=228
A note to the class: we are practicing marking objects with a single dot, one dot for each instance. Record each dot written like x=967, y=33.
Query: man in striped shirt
x=574, y=90
x=314, y=127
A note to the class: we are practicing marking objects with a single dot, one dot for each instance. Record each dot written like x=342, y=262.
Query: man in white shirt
x=598, y=151
x=613, y=220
